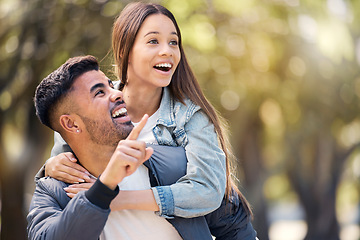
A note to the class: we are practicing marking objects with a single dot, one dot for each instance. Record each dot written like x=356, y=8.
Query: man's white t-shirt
x=139, y=224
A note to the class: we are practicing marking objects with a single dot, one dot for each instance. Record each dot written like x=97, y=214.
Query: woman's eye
x=153, y=41
x=174, y=42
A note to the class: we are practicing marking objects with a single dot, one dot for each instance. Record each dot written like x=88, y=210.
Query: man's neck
x=93, y=157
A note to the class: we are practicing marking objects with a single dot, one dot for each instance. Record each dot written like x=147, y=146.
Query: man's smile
x=119, y=112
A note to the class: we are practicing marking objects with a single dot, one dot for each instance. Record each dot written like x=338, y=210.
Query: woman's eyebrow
x=155, y=32
x=151, y=33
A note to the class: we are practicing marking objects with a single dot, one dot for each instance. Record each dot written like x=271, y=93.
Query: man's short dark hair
x=57, y=84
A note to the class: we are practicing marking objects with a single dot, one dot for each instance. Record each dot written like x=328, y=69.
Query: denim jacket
x=205, y=180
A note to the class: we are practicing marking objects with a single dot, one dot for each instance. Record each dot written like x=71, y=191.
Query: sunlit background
x=284, y=73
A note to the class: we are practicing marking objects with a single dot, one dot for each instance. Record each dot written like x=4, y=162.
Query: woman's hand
x=64, y=167
x=72, y=190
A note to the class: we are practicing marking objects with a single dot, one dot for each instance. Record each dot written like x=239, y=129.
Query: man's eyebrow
x=98, y=85
x=155, y=32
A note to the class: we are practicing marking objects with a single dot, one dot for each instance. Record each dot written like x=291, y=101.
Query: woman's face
x=155, y=53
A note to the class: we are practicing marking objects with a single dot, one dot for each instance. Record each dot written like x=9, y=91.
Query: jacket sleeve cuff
x=100, y=195
x=165, y=200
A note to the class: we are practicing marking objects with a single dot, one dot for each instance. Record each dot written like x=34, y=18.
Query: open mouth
x=122, y=112
x=165, y=67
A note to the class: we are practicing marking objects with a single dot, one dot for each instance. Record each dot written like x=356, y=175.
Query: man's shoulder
x=49, y=181
x=52, y=187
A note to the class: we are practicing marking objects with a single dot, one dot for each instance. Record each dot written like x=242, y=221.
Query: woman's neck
x=140, y=101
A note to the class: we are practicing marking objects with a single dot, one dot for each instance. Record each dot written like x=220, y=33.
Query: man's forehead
x=85, y=81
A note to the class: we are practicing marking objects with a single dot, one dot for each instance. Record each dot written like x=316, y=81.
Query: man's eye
x=99, y=92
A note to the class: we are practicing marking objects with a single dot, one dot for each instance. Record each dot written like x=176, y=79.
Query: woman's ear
x=69, y=124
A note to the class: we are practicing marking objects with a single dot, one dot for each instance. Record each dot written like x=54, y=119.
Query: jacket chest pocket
x=164, y=136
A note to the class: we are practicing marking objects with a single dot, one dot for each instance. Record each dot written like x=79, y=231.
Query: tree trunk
x=12, y=177
x=315, y=177
x=13, y=221
x=249, y=154
x=322, y=224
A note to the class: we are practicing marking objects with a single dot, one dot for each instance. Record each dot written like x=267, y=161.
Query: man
x=78, y=101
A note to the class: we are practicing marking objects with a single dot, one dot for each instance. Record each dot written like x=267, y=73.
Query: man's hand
x=128, y=156
x=64, y=167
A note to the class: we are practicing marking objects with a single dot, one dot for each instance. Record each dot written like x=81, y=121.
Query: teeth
x=168, y=65
x=119, y=112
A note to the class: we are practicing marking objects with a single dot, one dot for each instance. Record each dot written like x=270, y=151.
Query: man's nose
x=116, y=95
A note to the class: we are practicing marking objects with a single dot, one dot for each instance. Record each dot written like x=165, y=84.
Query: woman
x=157, y=80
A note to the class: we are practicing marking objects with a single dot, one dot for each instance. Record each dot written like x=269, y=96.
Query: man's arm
x=54, y=216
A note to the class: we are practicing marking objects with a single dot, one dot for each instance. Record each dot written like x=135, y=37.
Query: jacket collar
x=166, y=115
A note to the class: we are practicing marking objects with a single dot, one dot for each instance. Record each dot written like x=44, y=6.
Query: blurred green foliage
x=284, y=73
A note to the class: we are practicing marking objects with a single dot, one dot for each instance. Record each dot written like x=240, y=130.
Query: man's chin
x=128, y=123
x=124, y=129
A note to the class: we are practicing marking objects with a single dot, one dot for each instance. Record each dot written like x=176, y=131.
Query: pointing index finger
x=134, y=134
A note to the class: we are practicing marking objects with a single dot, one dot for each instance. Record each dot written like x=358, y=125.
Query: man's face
x=101, y=108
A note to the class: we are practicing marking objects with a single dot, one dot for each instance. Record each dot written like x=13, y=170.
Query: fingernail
x=81, y=180
x=65, y=188
x=87, y=172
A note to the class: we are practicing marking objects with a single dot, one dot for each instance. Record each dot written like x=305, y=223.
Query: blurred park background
x=284, y=73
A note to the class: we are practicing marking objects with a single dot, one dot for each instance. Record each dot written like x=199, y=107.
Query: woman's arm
x=167, y=164
x=136, y=199
x=63, y=164
x=64, y=167
x=139, y=199
x=205, y=179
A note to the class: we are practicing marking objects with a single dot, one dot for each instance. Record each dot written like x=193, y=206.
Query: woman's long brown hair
x=183, y=83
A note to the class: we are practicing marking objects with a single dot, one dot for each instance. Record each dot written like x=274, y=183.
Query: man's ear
x=69, y=123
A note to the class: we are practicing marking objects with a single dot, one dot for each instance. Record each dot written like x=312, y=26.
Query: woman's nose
x=165, y=50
